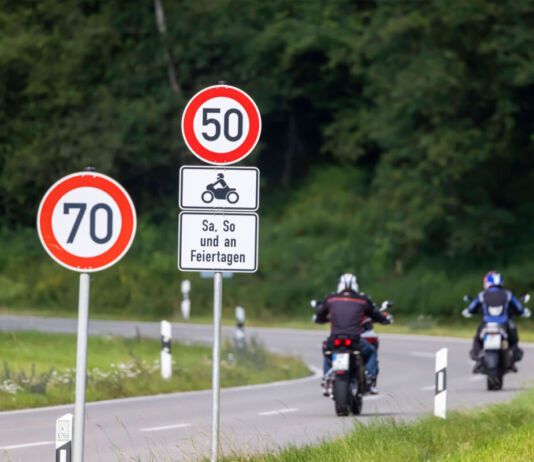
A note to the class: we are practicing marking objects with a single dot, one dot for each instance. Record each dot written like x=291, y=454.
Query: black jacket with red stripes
x=346, y=312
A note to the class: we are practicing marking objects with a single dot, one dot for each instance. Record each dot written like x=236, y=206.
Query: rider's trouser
x=513, y=341
x=369, y=356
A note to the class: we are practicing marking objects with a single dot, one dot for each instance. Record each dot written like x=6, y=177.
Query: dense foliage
x=419, y=116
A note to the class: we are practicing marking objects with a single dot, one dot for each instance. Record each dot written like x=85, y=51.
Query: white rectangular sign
x=218, y=242
x=235, y=188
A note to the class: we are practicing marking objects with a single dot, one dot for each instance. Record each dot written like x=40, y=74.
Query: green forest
x=397, y=144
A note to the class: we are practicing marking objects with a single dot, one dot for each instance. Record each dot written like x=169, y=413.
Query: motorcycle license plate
x=340, y=361
x=492, y=342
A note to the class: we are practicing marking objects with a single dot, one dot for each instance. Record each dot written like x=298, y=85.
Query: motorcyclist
x=497, y=305
x=220, y=181
x=345, y=310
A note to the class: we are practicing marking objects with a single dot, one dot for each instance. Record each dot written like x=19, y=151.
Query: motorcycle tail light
x=337, y=342
x=348, y=342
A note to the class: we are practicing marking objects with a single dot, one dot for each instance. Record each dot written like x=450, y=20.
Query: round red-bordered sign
x=86, y=221
x=221, y=125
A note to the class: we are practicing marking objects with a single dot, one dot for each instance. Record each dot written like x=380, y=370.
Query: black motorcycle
x=346, y=382
x=347, y=375
x=225, y=193
x=496, y=356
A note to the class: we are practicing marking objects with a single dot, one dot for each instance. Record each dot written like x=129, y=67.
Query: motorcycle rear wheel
x=207, y=197
x=342, y=396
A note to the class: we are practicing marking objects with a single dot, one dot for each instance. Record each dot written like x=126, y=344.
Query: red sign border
x=60, y=254
x=246, y=147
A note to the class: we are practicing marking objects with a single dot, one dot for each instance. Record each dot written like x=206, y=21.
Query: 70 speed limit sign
x=86, y=221
x=221, y=125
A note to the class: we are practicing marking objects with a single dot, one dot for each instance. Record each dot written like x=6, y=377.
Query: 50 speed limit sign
x=86, y=221
x=221, y=125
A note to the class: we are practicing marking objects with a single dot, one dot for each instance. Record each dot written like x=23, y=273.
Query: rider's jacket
x=346, y=312
x=497, y=305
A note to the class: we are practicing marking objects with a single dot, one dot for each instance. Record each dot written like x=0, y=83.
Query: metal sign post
x=81, y=364
x=216, y=389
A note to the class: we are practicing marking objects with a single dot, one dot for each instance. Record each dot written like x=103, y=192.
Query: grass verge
x=503, y=432
x=39, y=369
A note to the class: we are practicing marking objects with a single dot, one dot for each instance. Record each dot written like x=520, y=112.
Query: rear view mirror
x=313, y=303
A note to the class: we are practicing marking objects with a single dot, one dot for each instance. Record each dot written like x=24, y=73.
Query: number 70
x=92, y=220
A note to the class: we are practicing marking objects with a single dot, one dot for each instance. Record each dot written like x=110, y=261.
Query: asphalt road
x=176, y=427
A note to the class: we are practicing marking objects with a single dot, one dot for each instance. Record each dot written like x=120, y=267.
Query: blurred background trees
x=396, y=135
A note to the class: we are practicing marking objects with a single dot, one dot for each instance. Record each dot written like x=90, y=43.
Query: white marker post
x=221, y=126
x=239, y=334
x=166, y=358
x=440, y=397
x=185, y=306
x=64, y=438
x=86, y=222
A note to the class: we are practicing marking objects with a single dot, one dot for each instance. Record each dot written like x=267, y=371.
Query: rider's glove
x=526, y=313
x=466, y=313
x=388, y=319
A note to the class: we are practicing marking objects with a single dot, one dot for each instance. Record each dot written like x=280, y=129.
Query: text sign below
x=235, y=188
x=218, y=242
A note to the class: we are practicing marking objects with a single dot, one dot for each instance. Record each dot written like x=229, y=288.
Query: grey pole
x=81, y=364
x=216, y=389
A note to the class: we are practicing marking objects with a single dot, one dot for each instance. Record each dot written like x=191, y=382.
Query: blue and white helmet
x=492, y=279
x=347, y=281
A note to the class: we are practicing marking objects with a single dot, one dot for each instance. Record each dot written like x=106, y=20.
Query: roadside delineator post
x=185, y=306
x=166, y=358
x=64, y=438
x=440, y=396
x=239, y=334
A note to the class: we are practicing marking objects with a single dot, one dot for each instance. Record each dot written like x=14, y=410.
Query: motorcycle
x=496, y=358
x=346, y=379
x=225, y=193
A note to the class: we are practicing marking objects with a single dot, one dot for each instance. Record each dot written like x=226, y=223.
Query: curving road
x=253, y=418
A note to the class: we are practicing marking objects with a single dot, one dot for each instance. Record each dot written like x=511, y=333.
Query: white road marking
x=279, y=411
x=316, y=373
x=372, y=397
x=27, y=445
x=165, y=427
x=423, y=354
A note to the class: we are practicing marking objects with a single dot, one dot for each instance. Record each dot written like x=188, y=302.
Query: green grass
x=501, y=432
x=43, y=366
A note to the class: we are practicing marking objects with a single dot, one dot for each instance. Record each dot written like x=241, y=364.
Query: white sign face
x=86, y=221
x=221, y=125
x=218, y=242
x=235, y=188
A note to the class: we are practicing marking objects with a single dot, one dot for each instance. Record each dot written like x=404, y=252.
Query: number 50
x=92, y=220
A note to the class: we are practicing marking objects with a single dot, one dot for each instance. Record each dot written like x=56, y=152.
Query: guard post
x=64, y=438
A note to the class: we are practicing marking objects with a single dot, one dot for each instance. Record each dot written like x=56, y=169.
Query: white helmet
x=347, y=281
